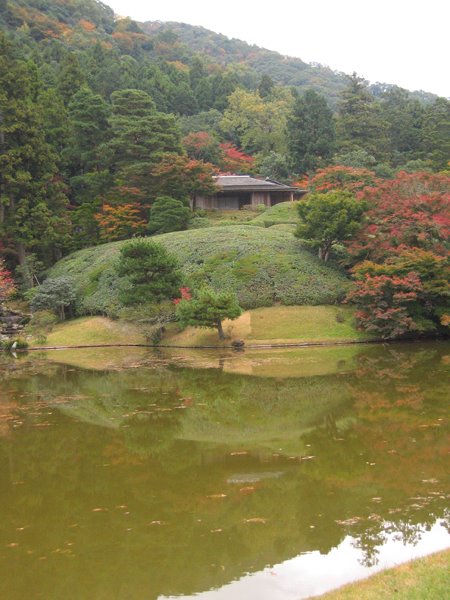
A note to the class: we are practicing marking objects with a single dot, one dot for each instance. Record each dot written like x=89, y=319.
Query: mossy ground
x=424, y=579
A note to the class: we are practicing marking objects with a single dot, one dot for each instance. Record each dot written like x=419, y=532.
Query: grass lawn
x=277, y=324
x=93, y=330
x=424, y=579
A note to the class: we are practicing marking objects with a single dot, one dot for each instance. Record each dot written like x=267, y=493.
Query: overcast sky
x=393, y=41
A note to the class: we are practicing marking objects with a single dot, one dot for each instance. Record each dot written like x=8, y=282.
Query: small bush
x=41, y=324
x=21, y=344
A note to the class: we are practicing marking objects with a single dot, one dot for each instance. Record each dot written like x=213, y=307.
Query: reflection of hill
x=154, y=503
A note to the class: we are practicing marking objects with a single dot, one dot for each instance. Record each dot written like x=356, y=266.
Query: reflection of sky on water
x=313, y=573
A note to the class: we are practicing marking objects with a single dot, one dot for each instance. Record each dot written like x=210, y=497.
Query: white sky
x=393, y=41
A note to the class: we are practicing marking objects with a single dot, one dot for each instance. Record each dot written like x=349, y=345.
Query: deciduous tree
x=327, y=219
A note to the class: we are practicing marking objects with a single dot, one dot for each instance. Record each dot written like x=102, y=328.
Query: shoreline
x=227, y=347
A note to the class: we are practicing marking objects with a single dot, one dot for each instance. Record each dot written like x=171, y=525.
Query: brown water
x=273, y=475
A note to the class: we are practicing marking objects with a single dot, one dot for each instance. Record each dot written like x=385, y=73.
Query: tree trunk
x=21, y=254
x=220, y=330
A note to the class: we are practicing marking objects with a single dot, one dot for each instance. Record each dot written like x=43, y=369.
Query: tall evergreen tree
x=360, y=123
x=436, y=133
x=311, y=132
x=70, y=77
x=404, y=118
x=32, y=205
x=140, y=134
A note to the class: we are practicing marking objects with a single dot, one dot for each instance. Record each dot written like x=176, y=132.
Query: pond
x=267, y=475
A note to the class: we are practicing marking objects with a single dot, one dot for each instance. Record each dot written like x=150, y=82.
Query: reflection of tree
x=152, y=449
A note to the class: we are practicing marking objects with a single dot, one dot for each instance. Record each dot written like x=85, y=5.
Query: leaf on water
x=100, y=510
x=256, y=520
x=247, y=490
x=307, y=457
x=12, y=545
x=156, y=523
x=351, y=521
x=239, y=453
x=217, y=496
x=216, y=530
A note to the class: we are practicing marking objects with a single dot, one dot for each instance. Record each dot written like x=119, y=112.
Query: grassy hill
x=262, y=266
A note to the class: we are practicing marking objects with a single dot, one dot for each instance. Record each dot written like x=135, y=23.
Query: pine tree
x=311, y=132
x=360, y=123
x=140, y=134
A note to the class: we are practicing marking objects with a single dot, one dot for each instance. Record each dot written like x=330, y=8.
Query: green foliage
x=208, y=308
x=436, y=133
x=311, y=132
x=32, y=202
x=284, y=272
x=139, y=135
x=151, y=273
x=41, y=324
x=275, y=166
x=329, y=218
x=168, y=214
x=14, y=344
x=284, y=212
x=56, y=294
x=360, y=122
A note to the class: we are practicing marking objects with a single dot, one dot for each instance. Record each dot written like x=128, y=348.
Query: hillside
x=263, y=266
x=80, y=24
x=284, y=70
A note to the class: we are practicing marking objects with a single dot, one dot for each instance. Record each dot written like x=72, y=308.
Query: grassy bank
x=277, y=325
x=273, y=325
x=262, y=266
x=91, y=331
x=424, y=579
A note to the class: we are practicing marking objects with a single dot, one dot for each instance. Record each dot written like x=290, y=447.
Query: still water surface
x=273, y=475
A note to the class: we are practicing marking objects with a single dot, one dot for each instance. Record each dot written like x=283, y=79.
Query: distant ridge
x=285, y=70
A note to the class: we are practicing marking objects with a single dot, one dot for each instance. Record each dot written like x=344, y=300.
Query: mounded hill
x=263, y=266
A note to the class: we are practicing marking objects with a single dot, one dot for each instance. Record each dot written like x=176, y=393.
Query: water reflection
x=164, y=480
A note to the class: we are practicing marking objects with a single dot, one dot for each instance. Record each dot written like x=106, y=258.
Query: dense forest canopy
x=101, y=116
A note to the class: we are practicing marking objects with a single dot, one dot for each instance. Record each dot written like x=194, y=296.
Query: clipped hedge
x=262, y=266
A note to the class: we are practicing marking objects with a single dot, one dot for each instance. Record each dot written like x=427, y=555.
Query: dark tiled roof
x=251, y=184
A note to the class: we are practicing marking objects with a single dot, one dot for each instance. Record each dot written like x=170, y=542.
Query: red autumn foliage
x=340, y=177
x=412, y=210
x=203, y=146
x=234, y=160
x=7, y=286
x=383, y=302
x=185, y=294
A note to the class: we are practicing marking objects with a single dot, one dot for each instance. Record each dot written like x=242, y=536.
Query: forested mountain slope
x=101, y=115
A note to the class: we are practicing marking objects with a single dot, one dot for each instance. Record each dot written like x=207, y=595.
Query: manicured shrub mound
x=284, y=212
x=262, y=266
